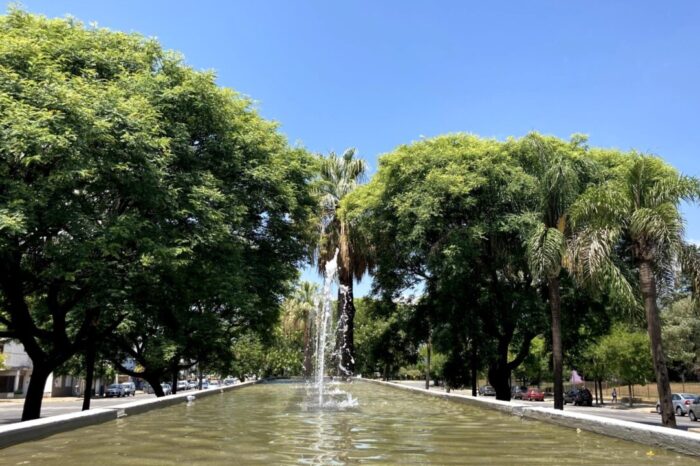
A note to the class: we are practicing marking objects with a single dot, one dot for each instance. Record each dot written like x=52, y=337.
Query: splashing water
x=327, y=399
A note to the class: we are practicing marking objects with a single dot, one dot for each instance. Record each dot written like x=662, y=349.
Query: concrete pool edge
x=20, y=432
x=657, y=436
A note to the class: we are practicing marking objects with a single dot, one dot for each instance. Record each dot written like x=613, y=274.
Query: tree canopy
x=137, y=196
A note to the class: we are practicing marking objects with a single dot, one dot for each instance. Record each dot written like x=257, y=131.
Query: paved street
x=643, y=414
x=11, y=410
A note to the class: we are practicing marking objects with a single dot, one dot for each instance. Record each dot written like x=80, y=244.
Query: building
x=17, y=370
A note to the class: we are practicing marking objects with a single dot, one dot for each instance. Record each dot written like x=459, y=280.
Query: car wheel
x=679, y=411
x=692, y=416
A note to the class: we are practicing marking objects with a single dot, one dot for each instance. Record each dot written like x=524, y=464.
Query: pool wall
x=19, y=432
x=657, y=436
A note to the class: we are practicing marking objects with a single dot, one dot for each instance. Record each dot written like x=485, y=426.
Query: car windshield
x=115, y=386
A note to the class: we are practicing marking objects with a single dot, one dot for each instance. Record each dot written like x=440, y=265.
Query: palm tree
x=631, y=227
x=297, y=317
x=560, y=181
x=340, y=175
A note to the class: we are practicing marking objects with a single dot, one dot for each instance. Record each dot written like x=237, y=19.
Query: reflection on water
x=268, y=424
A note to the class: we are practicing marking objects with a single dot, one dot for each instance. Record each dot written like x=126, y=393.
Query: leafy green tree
x=635, y=214
x=385, y=337
x=443, y=216
x=680, y=328
x=340, y=175
x=625, y=355
x=127, y=177
x=535, y=367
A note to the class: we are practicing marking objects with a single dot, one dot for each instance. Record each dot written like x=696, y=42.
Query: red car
x=533, y=394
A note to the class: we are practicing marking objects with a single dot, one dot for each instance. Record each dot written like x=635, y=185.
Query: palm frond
x=592, y=262
x=600, y=206
x=545, y=249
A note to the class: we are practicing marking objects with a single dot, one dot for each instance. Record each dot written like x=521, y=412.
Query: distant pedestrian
x=614, y=396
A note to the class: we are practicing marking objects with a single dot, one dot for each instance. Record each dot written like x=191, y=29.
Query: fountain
x=327, y=399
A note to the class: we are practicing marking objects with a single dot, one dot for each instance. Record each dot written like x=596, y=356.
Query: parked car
x=681, y=401
x=192, y=384
x=534, y=394
x=517, y=392
x=487, y=390
x=229, y=381
x=214, y=384
x=579, y=397
x=129, y=388
x=114, y=390
x=693, y=409
x=167, y=389
x=182, y=385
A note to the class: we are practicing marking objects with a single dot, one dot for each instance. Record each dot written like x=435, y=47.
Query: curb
x=12, y=434
x=657, y=436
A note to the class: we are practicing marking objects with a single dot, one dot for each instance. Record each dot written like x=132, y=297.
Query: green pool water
x=272, y=424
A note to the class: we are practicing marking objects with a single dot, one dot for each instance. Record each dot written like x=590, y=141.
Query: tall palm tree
x=560, y=182
x=631, y=227
x=340, y=175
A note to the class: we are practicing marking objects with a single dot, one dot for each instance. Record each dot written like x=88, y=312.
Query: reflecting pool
x=274, y=423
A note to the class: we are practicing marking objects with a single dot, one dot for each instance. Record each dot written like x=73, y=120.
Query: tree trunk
x=631, y=397
x=595, y=389
x=663, y=384
x=557, y=357
x=499, y=374
x=35, y=392
x=175, y=377
x=155, y=384
x=427, y=365
x=600, y=389
x=473, y=367
x=89, y=374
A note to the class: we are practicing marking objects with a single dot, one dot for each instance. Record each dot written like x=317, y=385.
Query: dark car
x=579, y=397
x=487, y=390
x=517, y=392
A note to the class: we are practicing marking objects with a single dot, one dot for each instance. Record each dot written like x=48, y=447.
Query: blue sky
x=374, y=75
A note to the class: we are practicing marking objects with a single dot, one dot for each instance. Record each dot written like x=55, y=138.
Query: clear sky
x=376, y=74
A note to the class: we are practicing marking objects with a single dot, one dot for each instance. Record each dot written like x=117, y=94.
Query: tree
x=561, y=180
x=297, y=317
x=630, y=226
x=385, y=336
x=625, y=354
x=680, y=328
x=443, y=217
x=340, y=175
x=126, y=178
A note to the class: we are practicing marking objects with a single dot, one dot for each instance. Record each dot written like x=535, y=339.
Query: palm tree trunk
x=557, y=356
x=663, y=384
x=346, y=323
